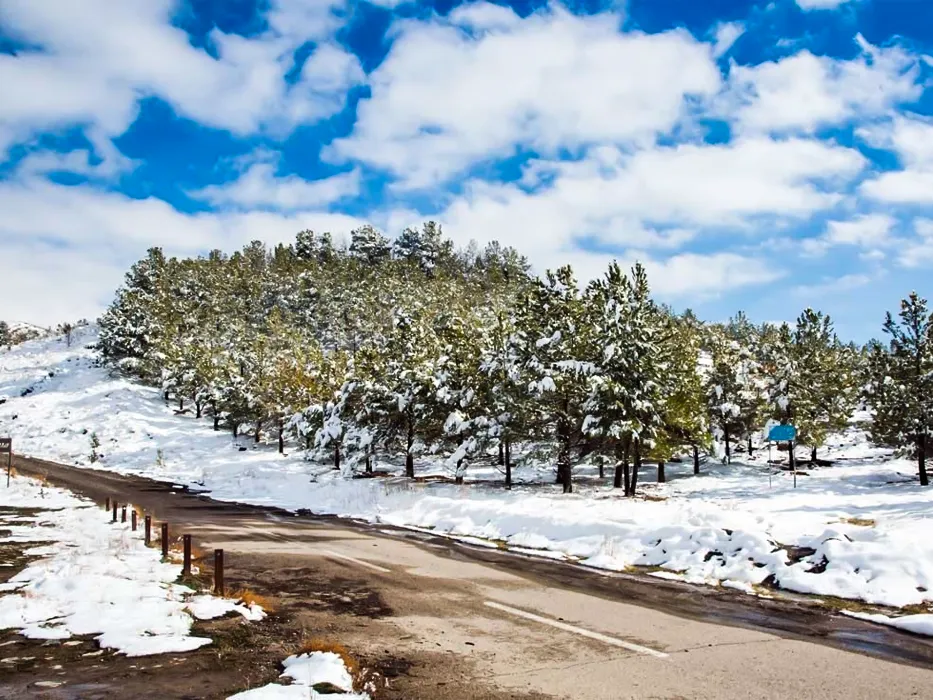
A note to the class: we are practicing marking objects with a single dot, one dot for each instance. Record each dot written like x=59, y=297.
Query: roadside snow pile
x=95, y=577
x=858, y=529
x=323, y=670
x=917, y=624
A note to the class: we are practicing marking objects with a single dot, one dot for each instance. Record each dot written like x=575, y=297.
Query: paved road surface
x=478, y=623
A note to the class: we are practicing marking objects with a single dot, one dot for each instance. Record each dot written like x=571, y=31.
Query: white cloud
x=65, y=249
x=918, y=252
x=94, y=73
x=832, y=286
x=869, y=231
x=808, y=5
x=444, y=100
x=911, y=138
x=804, y=92
x=102, y=161
x=725, y=35
x=484, y=16
x=259, y=187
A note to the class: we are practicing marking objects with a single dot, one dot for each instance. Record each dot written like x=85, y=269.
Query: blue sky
x=763, y=156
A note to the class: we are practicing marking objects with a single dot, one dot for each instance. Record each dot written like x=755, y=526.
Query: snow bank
x=307, y=671
x=855, y=530
x=96, y=577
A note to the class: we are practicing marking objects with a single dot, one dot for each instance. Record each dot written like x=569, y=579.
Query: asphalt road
x=472, y=622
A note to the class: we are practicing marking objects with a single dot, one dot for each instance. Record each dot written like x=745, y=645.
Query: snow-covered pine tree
x=624, y=402
x=900, y=386
x=370, y=246
x=131, y=326
x=814, y=381
x=557, y=353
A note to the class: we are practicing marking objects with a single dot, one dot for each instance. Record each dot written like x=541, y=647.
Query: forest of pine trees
x=412, y=348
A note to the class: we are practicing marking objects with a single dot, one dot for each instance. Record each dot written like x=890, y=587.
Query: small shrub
x=320, y=645
x=95, y=443
x=248, y=597
x=863, y=522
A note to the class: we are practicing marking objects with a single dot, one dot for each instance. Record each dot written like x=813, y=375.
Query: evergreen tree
x=814, y=381
x=6, y=338
x=367, y=244
x=556, y=353
x=624, y=403
x=900, y=386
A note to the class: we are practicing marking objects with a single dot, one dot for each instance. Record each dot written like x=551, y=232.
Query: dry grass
x=248, y=597
x=320, y=645
x=863, y=522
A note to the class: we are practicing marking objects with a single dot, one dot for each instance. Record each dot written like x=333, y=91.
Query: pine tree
x=814, y=381
x=900, y=386
x=556, y=353
x=367, y=244
x=624, y=404
x=6, y=338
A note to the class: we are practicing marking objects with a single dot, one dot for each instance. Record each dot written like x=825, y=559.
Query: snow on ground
x=858, y=529
x=305, y=672
x=95, y=577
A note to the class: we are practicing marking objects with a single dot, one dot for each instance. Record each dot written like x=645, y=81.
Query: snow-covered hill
x=859, y=529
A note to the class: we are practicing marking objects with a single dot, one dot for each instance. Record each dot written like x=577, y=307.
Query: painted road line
x=374, y=567
x=577, y=630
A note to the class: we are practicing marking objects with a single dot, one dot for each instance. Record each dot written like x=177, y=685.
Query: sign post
x=783, y=433
x=6, y=447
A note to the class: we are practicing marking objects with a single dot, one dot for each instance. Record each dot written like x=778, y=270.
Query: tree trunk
x=197, y=409
x=922, y=459
x=369, y=462
x=501, y=453
x=508, y=465
x=281, y=438
x=181, y=403
x=617, y=477
x=236, y=429
x=564, y=477
x=458, y=479
x=166, y=396
x=728, y=449
x=626, y=472
x=813, y=455
x=749, y=445
x=409, y=457
x=636, y=467
x=602, y=470
x=696, y=459
x=662, y=477
x=258, y=430
x=337, y=455
x=216, y=422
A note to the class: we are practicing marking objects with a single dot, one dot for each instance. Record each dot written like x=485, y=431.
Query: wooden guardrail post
x=186, y=557
x=218, y=572
x=165, y=540
x=148, y=530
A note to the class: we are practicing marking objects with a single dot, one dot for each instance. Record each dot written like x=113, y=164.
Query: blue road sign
x=782, y=433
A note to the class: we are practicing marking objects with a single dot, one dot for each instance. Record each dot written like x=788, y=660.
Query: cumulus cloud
x=911, y=138
x=444, y=99
x=65, y=249
x=805, y=92
x=870, y=232
x=79, y=70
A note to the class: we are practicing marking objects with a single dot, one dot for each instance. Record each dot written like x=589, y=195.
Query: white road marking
x=374, y=567
x=578, y=630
